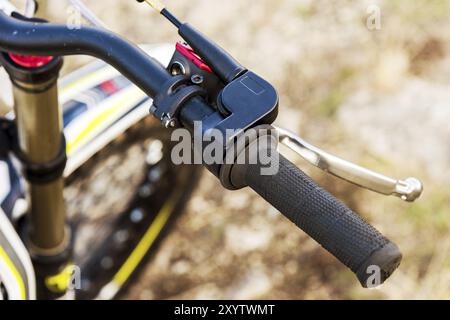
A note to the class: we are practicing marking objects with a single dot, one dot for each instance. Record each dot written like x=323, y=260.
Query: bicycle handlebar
x=339, y=230
x=32, y=38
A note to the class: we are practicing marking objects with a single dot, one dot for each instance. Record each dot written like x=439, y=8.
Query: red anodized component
x=187, y=51
x=30, y=61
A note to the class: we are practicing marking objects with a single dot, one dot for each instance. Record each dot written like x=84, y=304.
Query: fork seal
x=19, y=74
x=43, y=173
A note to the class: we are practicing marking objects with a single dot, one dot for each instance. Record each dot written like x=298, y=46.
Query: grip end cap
x=379, y=266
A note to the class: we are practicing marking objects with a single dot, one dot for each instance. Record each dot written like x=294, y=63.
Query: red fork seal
x=30, y=61
x=31, y=69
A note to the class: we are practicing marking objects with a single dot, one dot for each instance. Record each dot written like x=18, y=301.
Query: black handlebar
x=358, y=245
x=34, y=38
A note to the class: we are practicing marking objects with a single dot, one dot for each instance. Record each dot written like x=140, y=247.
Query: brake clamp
x=176, y=92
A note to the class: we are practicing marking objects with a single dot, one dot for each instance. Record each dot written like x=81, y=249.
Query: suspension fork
x=40, y=147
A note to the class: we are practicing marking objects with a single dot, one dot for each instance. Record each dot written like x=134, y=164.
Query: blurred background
x=377, y=94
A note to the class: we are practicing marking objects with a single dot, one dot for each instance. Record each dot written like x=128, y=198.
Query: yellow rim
x=144, y=245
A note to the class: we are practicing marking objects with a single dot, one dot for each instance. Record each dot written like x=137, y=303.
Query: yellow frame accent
x=16, y=274
x=104, y=116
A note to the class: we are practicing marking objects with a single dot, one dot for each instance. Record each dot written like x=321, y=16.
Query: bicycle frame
x=15, y=263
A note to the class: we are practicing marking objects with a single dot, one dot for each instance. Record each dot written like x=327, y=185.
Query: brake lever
x=408, y=189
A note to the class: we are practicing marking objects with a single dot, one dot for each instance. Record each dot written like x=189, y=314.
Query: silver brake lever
x=408, y=189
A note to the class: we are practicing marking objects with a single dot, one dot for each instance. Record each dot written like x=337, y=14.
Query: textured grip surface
x=343, y=233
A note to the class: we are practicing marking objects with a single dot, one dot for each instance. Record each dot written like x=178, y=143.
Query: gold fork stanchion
x=41, y=149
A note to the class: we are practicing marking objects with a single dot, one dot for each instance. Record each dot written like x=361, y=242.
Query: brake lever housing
x=249, y=101
x=244, y=102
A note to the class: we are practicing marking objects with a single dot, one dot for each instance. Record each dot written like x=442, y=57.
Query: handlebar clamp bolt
x=197, y=79
x=169, y=122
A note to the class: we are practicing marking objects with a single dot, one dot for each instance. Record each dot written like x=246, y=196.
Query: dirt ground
x=378, y=97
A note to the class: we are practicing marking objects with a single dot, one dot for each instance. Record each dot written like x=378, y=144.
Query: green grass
x=330, y=104
x=305, y=11
x=432, y=211
x=419, y=11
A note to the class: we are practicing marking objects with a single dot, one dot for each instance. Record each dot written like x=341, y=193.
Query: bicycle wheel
x=121, y=203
